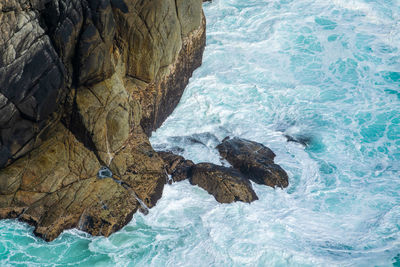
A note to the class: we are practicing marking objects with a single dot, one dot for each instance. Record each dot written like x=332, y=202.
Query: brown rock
x=51, y=49
x=159, y=98
x=54, y=184
x=176, y=166
x=254, y=160
x=94, y=83
x=227, y=185
x=140, y=167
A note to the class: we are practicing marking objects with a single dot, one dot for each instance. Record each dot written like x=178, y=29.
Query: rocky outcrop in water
x=250, y=160
x=254, y=160
x=83, y=84
x=227, y=185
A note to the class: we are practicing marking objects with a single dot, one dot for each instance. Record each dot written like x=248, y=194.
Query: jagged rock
x=176, y=166
x=82, y=85
x=254, y=160
x=225, y=184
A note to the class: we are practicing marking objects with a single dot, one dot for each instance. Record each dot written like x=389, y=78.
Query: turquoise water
x=324, y=71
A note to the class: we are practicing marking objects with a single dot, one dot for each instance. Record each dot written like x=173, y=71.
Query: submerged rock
x=227, y=185
x=254, y=160
x=300, y=139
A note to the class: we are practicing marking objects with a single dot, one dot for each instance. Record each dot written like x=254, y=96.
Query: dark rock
x=254, y=160
x=176, y=166
x=31, y=77
x=301, y=139
x=96, y=42
x=227, y=185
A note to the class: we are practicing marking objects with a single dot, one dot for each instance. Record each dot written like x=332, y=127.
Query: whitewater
x=325, y=72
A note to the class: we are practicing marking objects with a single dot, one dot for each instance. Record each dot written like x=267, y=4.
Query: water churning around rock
x=324, y=72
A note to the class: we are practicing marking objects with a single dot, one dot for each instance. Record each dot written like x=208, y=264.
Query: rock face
x=254, y=160
x=82, y=85
x=225, y=184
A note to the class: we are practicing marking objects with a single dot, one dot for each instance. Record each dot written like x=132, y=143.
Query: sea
x=318, y=82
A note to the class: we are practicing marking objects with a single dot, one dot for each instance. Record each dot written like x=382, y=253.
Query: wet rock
x=140, y=167
x=254, y=160
x=227, y=185
x=176, y=166
x=300, y=139
x=104, y=172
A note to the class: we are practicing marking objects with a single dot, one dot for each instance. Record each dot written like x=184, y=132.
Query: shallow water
x=323, y=71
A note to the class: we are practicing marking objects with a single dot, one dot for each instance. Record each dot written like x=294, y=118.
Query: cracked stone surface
x=83, y=84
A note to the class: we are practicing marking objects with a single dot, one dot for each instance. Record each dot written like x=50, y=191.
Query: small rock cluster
x=250, y=161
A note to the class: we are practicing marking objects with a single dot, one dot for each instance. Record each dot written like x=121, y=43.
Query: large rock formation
x=83, y=84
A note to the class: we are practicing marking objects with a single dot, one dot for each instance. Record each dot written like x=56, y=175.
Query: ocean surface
x=325, y=72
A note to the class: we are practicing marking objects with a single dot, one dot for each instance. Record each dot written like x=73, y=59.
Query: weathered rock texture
x=227, y=185
x=254, y=160
x=82, y=85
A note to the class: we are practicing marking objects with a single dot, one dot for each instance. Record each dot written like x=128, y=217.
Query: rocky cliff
x=82, y=85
